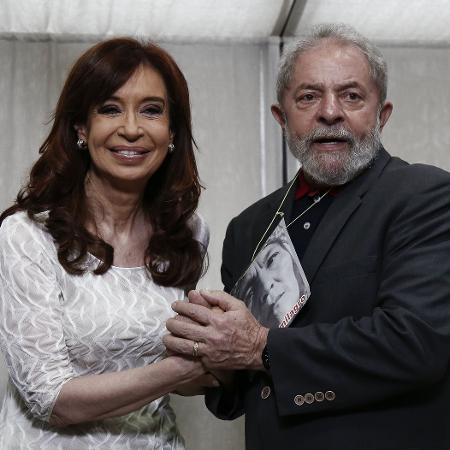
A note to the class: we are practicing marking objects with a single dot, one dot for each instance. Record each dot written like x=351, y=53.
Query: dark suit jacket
x=365, y=364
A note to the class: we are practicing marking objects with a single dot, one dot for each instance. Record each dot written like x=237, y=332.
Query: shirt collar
x=305, y=190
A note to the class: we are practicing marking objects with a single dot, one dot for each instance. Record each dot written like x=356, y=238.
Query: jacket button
x=330, y=396
x=265, y=392
x=299, y=400
x=319, y=396
x=309, y=398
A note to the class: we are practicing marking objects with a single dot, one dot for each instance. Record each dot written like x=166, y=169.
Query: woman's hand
x=224, y=378
x=198, y=386
x=209, y=379
x=90, y=398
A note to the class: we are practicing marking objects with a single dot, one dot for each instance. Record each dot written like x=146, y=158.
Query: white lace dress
x=55, y=326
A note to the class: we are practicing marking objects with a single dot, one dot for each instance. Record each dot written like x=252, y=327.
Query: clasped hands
x=219, y=330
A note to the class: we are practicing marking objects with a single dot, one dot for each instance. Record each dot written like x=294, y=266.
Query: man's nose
x=330, y=110
x=130, y=128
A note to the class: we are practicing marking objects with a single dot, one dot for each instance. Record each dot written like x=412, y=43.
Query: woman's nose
x=130, y=128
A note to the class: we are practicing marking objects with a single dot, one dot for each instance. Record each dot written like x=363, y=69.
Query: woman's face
x=128, y=135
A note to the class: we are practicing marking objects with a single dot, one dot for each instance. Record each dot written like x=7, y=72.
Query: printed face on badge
x=274, y=287
x=269, y=281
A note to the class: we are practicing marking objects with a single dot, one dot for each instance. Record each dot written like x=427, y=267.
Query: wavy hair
x=56, y=181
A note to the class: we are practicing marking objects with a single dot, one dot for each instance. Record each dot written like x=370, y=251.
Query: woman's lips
x=129, y=153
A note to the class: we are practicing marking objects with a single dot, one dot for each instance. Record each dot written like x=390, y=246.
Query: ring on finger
x=195, y=349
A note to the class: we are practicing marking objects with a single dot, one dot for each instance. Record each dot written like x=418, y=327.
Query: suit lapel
x=346, y=202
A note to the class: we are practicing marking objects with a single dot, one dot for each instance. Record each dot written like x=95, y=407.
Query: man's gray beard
x=335, y=168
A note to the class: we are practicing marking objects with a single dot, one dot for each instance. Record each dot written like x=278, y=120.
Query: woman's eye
x=152, y=110
x=109, y=109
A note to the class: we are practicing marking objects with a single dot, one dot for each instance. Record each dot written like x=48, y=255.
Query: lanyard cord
x=316, y=201
x=281, y=214
x=278, y=213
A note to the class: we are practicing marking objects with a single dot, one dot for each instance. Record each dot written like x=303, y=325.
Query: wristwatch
x=265, y=358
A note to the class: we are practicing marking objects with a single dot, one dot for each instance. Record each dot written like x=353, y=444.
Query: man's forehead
x=331, y=61
x=332, y=45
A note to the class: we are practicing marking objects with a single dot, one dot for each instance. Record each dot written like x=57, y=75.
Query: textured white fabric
x=55, y=326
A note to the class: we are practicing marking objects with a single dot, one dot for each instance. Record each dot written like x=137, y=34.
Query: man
x=364, y=365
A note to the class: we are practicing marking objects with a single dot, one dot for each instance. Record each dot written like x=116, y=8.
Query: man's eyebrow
x=348, y=85
x=311, y=86
x=320, y=86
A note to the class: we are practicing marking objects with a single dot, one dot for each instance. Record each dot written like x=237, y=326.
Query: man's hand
x=232, y=340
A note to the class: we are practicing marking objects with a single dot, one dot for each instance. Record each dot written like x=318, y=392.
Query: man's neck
x=314, y=185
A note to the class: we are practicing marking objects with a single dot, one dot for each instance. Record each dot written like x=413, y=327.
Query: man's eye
x=307, y=97
x=109, y=110
x=353, y=96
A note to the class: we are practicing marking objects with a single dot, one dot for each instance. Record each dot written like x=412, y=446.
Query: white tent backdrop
x=232, y=87
x=162, y=19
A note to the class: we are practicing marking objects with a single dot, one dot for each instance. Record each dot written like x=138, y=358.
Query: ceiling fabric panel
x=384, y=21
x=157, y=19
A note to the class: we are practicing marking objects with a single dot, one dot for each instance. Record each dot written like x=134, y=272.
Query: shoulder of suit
x=415, y=177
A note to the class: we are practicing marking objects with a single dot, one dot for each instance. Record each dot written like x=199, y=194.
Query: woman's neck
x=115, y=212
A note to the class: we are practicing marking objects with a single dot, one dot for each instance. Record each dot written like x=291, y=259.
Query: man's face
x=331, y=114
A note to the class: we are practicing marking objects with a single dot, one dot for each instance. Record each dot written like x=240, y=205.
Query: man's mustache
x=329, y=134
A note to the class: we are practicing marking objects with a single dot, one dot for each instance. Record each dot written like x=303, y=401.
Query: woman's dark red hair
x=56, y=182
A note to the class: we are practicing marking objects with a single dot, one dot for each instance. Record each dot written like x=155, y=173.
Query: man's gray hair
x=341, y=33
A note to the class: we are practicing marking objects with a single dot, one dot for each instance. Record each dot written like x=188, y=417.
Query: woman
x=96, y=248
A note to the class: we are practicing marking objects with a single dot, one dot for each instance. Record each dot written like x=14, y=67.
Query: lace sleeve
x=31, y=332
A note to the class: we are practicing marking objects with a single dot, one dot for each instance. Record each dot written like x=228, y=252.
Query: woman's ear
x=81, y=132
